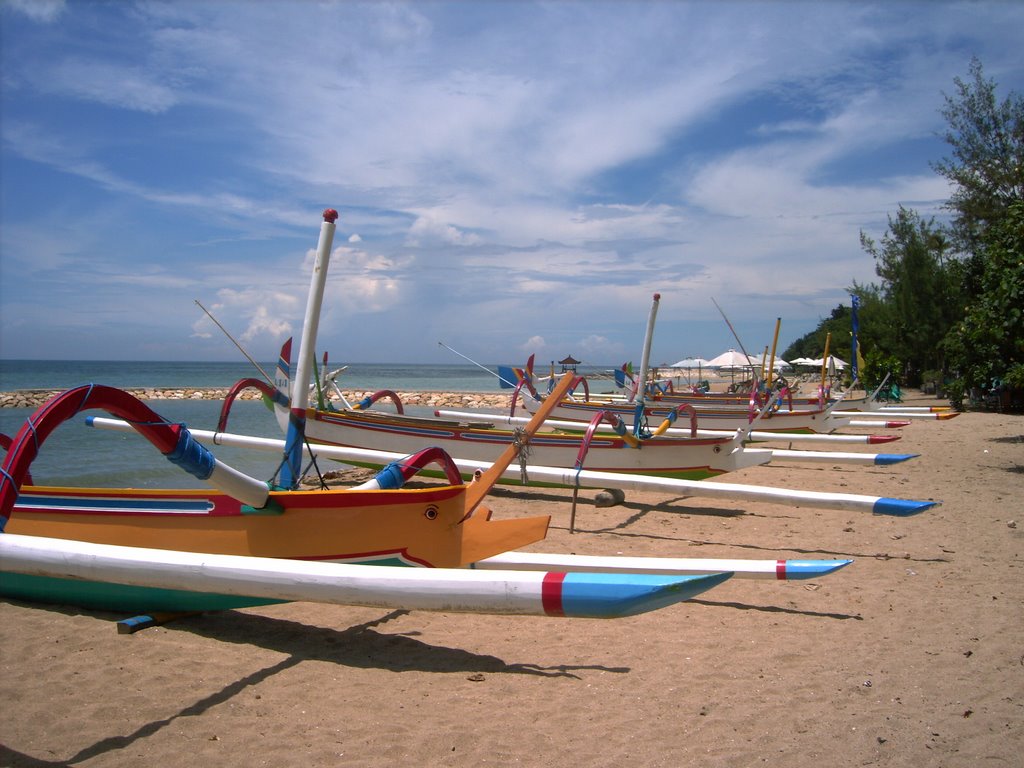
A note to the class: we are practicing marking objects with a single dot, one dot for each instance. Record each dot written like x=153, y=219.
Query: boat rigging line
x=248, y=357
x=499, y=377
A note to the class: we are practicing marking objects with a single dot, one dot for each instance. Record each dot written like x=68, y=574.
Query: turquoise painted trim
x=103, y=596
x=901, y=507
x=607, y=595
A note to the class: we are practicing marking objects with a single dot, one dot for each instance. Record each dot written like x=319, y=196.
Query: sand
x=911, y=656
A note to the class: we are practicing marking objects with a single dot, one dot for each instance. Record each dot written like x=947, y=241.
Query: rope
x=522, y=446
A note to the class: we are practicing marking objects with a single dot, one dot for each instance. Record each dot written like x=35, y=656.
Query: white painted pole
x=588, y=478
x=532, y=592
x=291, y=469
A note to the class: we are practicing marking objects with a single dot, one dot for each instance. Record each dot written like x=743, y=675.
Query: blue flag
x=855, y=356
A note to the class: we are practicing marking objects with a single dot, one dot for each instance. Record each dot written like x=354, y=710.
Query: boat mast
x=291, y=468
x=770, y=373
x=645, y=360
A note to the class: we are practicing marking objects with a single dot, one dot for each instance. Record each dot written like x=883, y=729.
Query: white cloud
x=43, y=11
x=543, y=168
x=427, y=229
x=111, y=84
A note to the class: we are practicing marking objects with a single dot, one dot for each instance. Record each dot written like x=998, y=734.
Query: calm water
x=79, y=455
x=63, y=374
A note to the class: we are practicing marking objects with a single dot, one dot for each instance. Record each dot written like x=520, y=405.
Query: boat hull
x=680, y=458
x=540, y=593
x=718, y=418
x=411, y=527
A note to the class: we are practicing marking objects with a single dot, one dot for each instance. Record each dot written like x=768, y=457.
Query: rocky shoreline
x=31, y=398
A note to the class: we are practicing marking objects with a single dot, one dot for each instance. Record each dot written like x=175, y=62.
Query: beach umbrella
x=690, y=362
x=729, y=359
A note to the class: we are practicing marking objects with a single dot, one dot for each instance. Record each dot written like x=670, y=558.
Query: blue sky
x=512, y=177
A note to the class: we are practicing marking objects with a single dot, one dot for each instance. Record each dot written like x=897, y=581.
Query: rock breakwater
x=32, y=398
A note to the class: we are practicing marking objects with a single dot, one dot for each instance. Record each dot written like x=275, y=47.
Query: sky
x=512, y=178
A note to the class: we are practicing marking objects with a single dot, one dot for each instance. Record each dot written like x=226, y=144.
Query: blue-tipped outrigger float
x=583, y=478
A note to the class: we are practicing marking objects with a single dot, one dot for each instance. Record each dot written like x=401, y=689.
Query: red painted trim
x=551, y=594
x=780, y=570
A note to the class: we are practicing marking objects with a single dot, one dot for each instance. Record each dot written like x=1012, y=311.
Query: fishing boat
x=380, y=522
x=691, y=458
x=583, y=478
x=245, y=542
x=359, y=426
x=719, y=418
x=580, y=405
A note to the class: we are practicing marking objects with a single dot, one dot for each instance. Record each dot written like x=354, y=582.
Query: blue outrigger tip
x=610, y=595
x=812, y=569
x=894, y=458
x=901, y=507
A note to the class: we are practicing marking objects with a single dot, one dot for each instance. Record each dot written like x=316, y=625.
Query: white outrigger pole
x=291, y=468
x=576, y=478
x=645, y=361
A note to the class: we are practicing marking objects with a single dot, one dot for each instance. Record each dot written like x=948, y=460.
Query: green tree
x=987, y=162
x=920, y=296
x=989, y=340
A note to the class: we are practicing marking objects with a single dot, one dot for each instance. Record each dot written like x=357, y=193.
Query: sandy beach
x=911, y=656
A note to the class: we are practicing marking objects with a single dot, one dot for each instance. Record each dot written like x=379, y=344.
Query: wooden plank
x=482, y=483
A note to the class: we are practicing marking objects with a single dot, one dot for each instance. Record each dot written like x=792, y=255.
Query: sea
x=82, y=456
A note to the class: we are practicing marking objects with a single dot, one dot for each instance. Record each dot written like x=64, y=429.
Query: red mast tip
x=657, y=297
x=330, y=215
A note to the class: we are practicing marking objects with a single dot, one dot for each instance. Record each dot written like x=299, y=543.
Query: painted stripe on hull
x=750, y=569
x=113, y=505
x=666, y=457
x=579, y=595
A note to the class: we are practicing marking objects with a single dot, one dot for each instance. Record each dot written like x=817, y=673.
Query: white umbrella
x=690, y=362
x=832, y=362
x=730, y=359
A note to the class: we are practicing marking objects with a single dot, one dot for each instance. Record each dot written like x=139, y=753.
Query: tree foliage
x=987, y=162
x=951, y=299
x=919, y=295
x=989, y=339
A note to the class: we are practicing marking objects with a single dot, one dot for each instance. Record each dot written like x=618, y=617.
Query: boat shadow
x=778, y=609
x=361, y=646
x=668, y=505
x=356, y=646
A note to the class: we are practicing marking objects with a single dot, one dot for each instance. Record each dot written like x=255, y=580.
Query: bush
x=955, y=393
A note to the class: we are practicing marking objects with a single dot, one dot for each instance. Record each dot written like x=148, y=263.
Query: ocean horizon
x=82, y=456
x=63, y=374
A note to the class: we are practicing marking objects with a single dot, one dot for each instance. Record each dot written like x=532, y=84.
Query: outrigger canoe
x=720, y=418
x=182, y=550
x=655, y=454
x=246, y=543
x=382, y=523
x=659, y=455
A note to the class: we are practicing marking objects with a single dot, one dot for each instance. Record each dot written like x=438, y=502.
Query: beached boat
x=685, y=457
x=380, y=522
x=152, y=573
x=722, y=415
x=181, y=550
x=244, y=543
x=582, y=478
x=583, y=407
x=653, y=454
